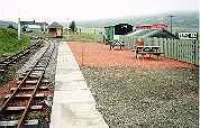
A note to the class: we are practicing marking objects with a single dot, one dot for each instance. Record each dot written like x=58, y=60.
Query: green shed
x=109, y=31
x=119, y=29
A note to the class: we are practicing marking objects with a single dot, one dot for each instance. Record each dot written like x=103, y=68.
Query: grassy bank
x=9, y=44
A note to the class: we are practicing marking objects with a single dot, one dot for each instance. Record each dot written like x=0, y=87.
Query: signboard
x=188, y=35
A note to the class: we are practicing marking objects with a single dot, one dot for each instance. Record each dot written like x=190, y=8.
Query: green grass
x=9, y=44
x=83, y=37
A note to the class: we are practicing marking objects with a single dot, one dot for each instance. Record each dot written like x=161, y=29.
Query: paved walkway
x=73, y=104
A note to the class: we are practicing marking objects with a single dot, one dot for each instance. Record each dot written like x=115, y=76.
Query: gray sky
x=67, y=10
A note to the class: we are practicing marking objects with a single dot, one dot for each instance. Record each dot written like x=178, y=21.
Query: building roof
x=67, y=28
x=24, y=23
x=120, y=29
x=34, y=26
x=152, y=26
x=41, y=23
x=27, y=22
x=160, y=33
x=120, y=24
x=55, y=25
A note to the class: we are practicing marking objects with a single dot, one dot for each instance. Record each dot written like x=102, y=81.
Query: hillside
x=181, y=21
x=7, y=23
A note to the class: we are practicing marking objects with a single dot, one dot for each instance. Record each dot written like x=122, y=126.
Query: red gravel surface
x=99, y=55
x=5, y=89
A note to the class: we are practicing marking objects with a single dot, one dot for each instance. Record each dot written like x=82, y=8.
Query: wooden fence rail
x=183, y=50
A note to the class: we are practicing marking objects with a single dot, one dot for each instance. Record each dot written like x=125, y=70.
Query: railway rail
x=11, y=60
x=26, y=97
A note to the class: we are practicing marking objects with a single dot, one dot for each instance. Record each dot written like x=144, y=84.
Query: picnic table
x=116, y=43
x=151, y=50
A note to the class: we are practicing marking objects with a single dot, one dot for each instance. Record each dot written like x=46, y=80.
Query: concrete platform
x=73, y=103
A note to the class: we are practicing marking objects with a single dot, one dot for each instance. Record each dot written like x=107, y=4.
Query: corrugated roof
x=55, y=25
x=143, y=32
x=152, y=33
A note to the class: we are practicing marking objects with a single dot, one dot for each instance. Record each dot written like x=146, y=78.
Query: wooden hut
x=55, y=30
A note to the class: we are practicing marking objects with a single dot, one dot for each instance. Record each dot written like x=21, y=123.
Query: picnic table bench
x=150, y=50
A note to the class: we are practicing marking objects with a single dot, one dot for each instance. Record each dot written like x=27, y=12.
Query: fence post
x=163, y=45
x=158, y=42
x=194, y=51
x=197, y=51
x=172, y=48
x=175, y=48
x=166, y=47
x=182, y=58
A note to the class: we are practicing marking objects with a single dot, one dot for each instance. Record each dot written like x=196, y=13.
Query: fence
x=183, y=50
x=90, y=30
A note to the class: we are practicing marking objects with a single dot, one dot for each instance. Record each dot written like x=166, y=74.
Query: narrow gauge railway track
x=24, y=98
x=11, y=60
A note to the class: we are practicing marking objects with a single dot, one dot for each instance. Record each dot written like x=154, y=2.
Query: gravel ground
x=33, y=59
x=133, y=98
x=50, y=71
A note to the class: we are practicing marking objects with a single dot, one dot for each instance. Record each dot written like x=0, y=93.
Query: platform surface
x=73, y=103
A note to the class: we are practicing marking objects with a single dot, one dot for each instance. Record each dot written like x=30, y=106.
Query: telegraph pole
x=19, y=28
x=171, y=16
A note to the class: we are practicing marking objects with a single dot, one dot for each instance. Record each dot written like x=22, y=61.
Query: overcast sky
x=67, y=10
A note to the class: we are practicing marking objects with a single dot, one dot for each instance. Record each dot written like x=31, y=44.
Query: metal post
x=19, y=28
x=171, y=16
x=171, y=23
x=82, y=55
x=44, y=27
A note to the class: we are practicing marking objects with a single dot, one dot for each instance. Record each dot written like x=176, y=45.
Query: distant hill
x=183, y=21
x=6, y=23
